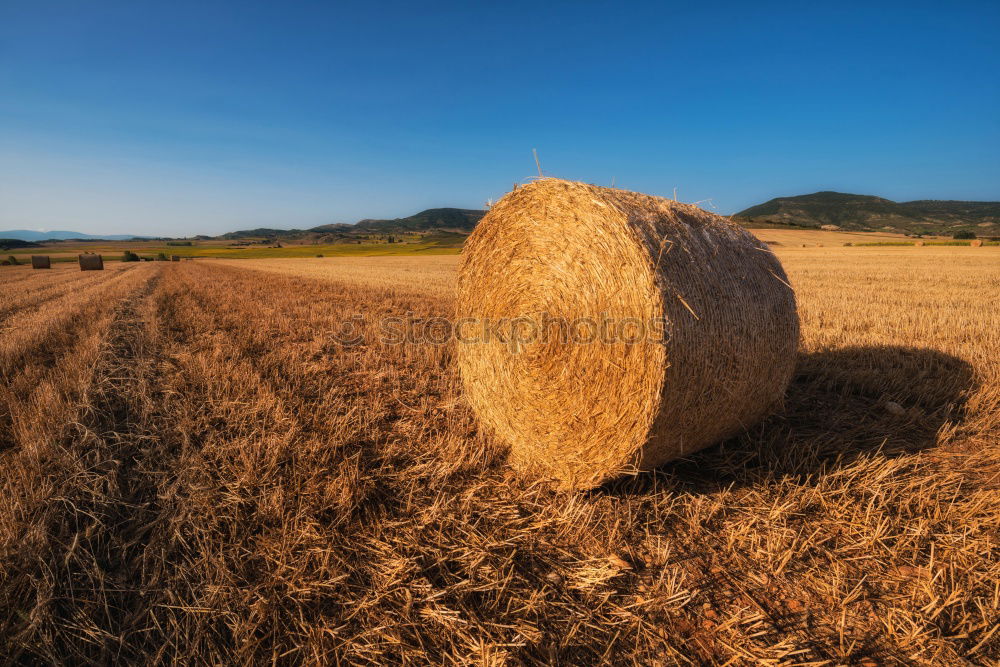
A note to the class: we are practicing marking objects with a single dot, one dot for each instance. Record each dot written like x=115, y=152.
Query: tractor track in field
x=123, y=405
x=103, y=513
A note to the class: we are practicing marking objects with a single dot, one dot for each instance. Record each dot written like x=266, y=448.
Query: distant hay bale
x=848, y=244
x=919, y=244
x=630, y=330
x=175, y=258
x=41, y=262
x=91, y=262
x=804, y=245
x=976, y=243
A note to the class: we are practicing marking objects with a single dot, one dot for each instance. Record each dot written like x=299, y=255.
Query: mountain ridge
x=432, y=219
x=823, y=209
x=872, y=213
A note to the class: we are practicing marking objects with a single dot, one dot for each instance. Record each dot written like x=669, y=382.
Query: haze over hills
x=845, y=211
x=33, y=235
x=869, y=213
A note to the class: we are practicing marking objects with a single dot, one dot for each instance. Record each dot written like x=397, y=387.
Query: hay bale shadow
x=841, y=404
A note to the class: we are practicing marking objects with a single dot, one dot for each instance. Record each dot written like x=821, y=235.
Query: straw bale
x=563, y=273
x=91, y=262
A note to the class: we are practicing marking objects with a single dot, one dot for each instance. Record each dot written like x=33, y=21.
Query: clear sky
x=177, y=118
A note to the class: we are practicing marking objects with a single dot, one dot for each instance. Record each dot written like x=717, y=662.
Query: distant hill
x=869, y=213
x=459, y=219
x=32, y=235
x=832, y=210
x=840, y=210
x=263, y=232
x=433, y=219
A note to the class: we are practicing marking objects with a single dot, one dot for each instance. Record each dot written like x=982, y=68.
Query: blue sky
x=177, y=118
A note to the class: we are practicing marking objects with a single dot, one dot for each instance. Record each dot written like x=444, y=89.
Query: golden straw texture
x=582, y=408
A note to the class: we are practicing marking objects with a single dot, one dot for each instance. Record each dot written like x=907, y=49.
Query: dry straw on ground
x=581, y=413
x=191, y=472
x=40, y=262
x=90, y=262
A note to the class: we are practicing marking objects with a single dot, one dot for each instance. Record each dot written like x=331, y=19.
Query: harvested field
x=815, y=237
x=428, y=275
x=194, y=469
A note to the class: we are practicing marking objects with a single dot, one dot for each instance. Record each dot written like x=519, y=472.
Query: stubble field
x=193, y=469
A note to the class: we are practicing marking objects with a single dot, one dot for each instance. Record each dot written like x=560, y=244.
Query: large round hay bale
x=91, y=262
x=41, y=262
x=602, y=332
x=977, y=243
